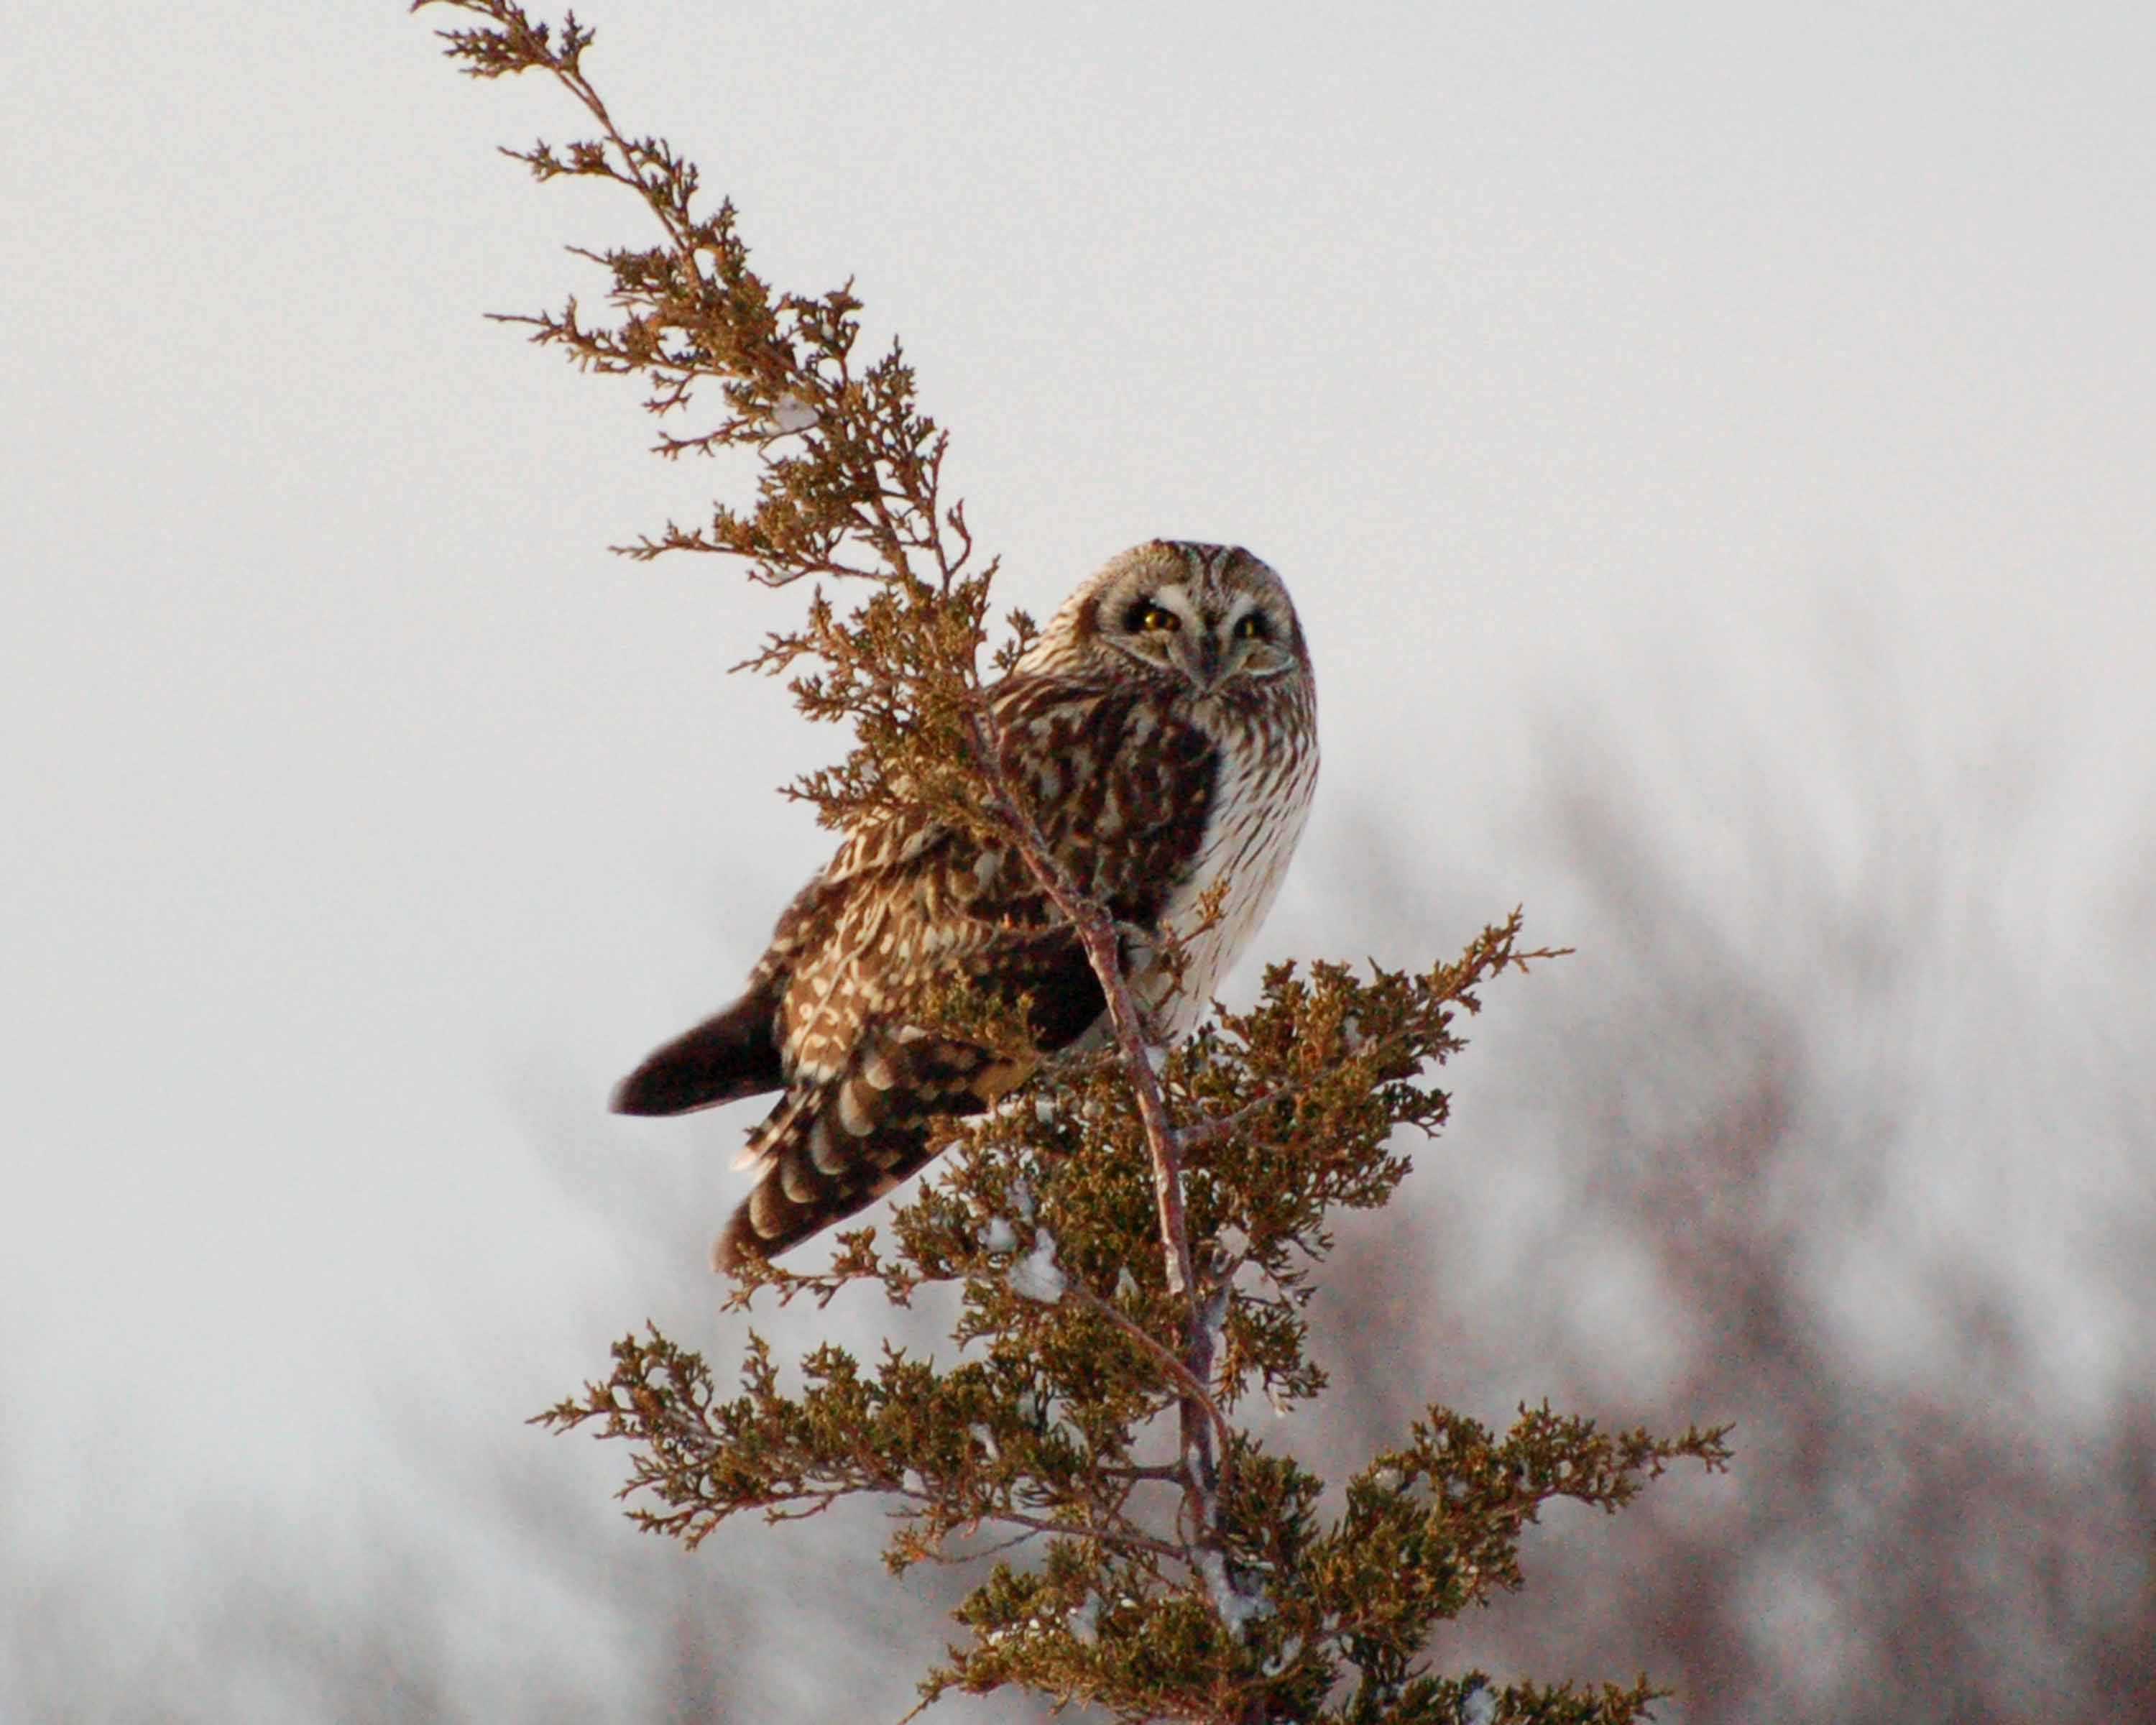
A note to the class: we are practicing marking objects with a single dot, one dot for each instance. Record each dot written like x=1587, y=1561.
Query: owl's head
x=1212, y=616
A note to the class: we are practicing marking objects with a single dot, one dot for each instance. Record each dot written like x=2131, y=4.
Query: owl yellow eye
x=1251, y=626
x=1147, y=618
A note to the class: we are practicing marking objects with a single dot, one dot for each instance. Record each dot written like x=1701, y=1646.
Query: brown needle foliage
x=1133, y=1241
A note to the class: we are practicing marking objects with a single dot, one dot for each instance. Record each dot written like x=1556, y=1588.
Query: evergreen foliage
x=1135, y=1238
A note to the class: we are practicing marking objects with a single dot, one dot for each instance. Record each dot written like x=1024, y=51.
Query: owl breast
x=1262, y=788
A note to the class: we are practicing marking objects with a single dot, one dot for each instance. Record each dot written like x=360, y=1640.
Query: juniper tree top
x=1129, y=1241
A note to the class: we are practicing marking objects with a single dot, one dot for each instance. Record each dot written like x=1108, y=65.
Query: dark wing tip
x=656, y=1087
x=722, y=1059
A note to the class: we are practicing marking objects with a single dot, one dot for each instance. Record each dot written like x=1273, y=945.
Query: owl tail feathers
x=835, y=1147
x=727, y=1057
x=797, y=1197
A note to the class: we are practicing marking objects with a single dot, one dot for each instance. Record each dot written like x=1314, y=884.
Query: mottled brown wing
x=1121, y=794
x=735, y=1052
x=834, y=1145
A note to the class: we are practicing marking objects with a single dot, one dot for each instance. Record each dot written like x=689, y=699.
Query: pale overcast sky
x=1648, y=369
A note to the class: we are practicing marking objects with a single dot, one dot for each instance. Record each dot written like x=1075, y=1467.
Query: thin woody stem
x=1205, y=1132
x=1096, y=935
x=1176, y=1369
x=1198, y=1420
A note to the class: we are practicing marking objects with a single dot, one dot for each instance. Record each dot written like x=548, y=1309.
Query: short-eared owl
x=1164, y=726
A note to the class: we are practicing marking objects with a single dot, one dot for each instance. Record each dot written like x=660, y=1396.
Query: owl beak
x=1207, y=652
